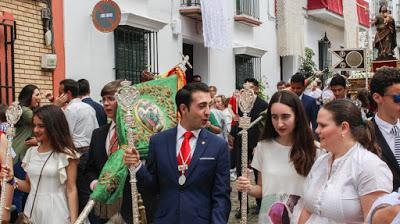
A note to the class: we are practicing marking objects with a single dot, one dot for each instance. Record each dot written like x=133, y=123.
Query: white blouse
x=336, y=199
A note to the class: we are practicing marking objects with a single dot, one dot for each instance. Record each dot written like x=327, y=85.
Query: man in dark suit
x=103, y=143
x=385, y=90
x=84, y=94
x=297, y=85
x=187, y=165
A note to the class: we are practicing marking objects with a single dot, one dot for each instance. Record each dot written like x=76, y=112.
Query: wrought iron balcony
x=191, y=8
x=248, y=12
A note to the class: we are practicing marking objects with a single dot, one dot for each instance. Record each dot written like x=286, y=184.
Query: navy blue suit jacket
x=100, y=114
x=311, y=109
x=204, y=198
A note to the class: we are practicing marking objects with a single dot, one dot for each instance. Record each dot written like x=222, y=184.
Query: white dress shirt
x=82, y=121
x=179, y=139
x=386, y=129
x=332, y=192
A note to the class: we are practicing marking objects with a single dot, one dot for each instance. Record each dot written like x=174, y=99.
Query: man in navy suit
x=187, y=165
x=297, y=85
x=84, y=94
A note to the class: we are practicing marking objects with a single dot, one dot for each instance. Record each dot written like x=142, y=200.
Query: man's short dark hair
x=184, y=95
x=252, y=80
x=196, y=77
x=281, y=83
x=384, y=78
x=70, y=85
x=338, y=80
x=298, y=78
x=84, y=87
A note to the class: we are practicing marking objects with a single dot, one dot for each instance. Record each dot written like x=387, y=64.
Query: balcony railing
x=249, y=8
x=190, y=3
x=191, y=9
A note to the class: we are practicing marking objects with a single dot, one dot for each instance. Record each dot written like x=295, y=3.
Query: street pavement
x=251, y=217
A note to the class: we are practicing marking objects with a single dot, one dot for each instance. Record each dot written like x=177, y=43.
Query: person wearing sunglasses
x=385, y=91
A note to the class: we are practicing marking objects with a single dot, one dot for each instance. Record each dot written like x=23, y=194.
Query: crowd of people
x=317, y=156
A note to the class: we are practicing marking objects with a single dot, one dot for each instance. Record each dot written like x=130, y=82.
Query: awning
x=142, y=22
x=248, y=50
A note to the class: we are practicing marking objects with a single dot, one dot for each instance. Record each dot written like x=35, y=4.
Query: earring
x=342, y=135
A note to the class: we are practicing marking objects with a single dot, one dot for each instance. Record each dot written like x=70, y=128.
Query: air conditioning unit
x=49, y=61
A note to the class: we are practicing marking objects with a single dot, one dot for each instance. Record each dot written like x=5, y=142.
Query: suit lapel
x=100, y=145
x=386, y=151
x=172, y=152
x=201, y=146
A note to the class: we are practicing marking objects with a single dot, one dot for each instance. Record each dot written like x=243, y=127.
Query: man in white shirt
x=385, y=90
x=82, y=121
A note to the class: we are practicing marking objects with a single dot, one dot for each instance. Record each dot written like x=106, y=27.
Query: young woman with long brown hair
x=283, y=157
x=51, y=170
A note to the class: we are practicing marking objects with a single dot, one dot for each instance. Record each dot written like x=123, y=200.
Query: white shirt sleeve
x=71, y=119
x=258, y=157
x=374, y=175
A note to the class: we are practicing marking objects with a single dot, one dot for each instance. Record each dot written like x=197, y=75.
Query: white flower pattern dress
x=51, y=205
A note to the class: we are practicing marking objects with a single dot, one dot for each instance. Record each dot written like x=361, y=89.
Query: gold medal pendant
x=182, y=180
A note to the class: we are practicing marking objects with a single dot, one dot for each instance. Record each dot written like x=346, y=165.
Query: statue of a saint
x=385, y=37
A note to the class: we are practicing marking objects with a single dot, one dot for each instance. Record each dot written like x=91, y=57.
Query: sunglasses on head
x=396, y=98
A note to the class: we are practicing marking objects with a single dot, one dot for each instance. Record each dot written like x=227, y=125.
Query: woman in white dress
x=283, y=157
x=343, y=184
x=54, y=165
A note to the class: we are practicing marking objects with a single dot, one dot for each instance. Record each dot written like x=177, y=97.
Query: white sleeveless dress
x=51, y=205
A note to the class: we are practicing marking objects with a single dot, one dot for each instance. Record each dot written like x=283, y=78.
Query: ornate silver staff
x=127, y=96
x=13, y=114
x=246, y=102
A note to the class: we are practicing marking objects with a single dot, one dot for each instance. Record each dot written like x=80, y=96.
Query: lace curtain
x=290, y=21
x=350, y=23
x=214, y=24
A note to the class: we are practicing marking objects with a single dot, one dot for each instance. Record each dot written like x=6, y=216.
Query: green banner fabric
x=154, y=111
x=110, y=185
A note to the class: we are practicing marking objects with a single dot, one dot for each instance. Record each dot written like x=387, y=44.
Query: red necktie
x=113, y=142
x=185, y=149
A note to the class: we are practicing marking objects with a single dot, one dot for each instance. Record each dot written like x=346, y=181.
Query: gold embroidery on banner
x=110, y=181
x=163, y=97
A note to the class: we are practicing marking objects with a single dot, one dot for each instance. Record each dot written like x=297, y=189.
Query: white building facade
x=154, y=34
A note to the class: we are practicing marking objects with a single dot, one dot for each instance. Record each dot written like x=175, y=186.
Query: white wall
x=90, y=53
x=315, y=31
